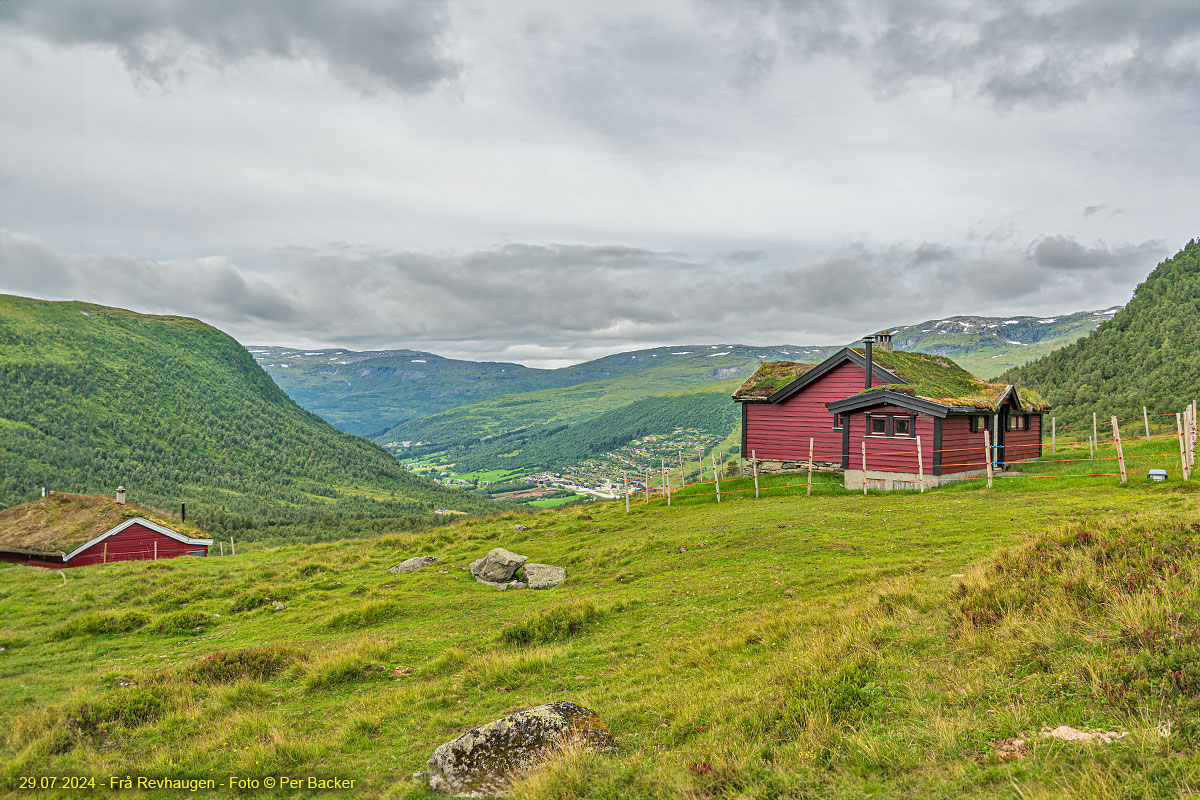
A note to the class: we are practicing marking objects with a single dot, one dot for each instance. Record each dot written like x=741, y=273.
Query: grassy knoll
x=798, y=647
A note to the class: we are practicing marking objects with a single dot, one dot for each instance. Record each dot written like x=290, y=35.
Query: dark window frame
x=871, y=418
x=912, y=426
x=839, y=421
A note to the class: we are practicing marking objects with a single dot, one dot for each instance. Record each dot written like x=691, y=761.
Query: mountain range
x=372, y=393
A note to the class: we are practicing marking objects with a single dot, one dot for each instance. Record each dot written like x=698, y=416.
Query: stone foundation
x=886, y=481
x=770, y=466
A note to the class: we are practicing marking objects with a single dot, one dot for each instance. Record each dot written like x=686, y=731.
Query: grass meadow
x=837, y=646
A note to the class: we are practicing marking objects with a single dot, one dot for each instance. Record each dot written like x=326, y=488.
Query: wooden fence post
x=864, y=456
x=232, y=547
x=700, y=456
x=625, y=490
x=106, y=552
x=156, y=549
x=1095, y=435
x=754, y=466
x=1053, y=435
x=666, y=480
x=1146, y=418
x=920, y=464
x=682, y=477
x=1091, y=448
x=222, y=543
x=647, y=495
x=987, y=450
x=716, y=477
x=1120, y=452
x=810, y=458
x=1183, y=470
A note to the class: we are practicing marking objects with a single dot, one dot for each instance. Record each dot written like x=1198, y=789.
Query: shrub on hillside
x=129, y=708
x=186, y=621
x=258, y=663
x=557, y=623
x=369, y=613
x=103, y=622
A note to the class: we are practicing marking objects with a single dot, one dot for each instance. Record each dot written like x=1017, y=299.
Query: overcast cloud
x=546, y=182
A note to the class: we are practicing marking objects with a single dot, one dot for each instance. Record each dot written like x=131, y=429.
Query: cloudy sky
x=544, y=182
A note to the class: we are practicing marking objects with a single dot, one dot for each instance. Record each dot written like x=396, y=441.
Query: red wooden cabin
x=65, y=530
x=910, y=396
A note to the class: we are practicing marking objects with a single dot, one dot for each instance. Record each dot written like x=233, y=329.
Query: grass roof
x=770, y=377
x=937, y=378
x=60, y=522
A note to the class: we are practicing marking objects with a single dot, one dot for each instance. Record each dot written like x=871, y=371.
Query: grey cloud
x=1025, y=51
x=400, y=46
x=577, y=300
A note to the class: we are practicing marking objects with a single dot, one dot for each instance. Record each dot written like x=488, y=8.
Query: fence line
x=1185, y=433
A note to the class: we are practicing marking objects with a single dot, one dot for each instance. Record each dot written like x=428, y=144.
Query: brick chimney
x=884, y=339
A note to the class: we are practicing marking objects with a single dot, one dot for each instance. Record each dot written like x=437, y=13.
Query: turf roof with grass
x=937, y=378
x=61, y=522
x=770, y=377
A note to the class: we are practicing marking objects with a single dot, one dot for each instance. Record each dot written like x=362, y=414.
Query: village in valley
x=604, y=476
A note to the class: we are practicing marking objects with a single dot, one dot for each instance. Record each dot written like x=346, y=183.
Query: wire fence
x=1034, y=455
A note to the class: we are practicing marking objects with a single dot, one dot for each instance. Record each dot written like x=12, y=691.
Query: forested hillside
x=92, y=397
x=559, y=446
x=1148, y=354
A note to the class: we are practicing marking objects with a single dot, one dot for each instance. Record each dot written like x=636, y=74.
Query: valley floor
x=838, y=646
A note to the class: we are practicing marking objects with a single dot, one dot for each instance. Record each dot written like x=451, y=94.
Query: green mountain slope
x=558, y=446
x=1147, y=354
x=92, y=397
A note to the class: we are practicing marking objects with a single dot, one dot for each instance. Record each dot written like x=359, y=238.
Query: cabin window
x=200, y=553
x=839, y=422
x=878, y=426
x=979, y=424
x=902, y=426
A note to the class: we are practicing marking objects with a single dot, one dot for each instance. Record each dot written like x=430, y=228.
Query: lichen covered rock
x=544, y=576
x=498, y=566
x=484, y=761
x=413, y=564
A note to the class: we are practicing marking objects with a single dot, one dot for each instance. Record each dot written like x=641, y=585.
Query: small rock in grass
x=958, y=575
x=280, y=607
x=683, y=548
x=519, y=528
x=517, y=585
x=398, y=671
x=544, y=576
x=484, y=761
x=1011, y=749
x=413, y=564
x=1065, y=733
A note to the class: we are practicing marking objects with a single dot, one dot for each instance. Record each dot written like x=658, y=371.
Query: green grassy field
x=838, y=646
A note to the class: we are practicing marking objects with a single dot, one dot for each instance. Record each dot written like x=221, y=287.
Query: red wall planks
x=135, y=543
x=782, y=431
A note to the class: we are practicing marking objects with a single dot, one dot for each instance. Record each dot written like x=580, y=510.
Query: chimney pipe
x=120, y=495
x=869, y=343
x=183, y=512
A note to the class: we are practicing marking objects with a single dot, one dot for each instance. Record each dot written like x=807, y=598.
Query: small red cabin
x=917, y=414
x=65, y=530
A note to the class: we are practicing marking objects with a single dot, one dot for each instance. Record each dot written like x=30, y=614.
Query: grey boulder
x=484, y=761
x=413, y=564
x=544, y=576
x=498, y=566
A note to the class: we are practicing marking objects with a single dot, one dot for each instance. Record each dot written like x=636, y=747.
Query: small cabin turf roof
x=60, y=522
x=939, y=379
x=770, y=377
